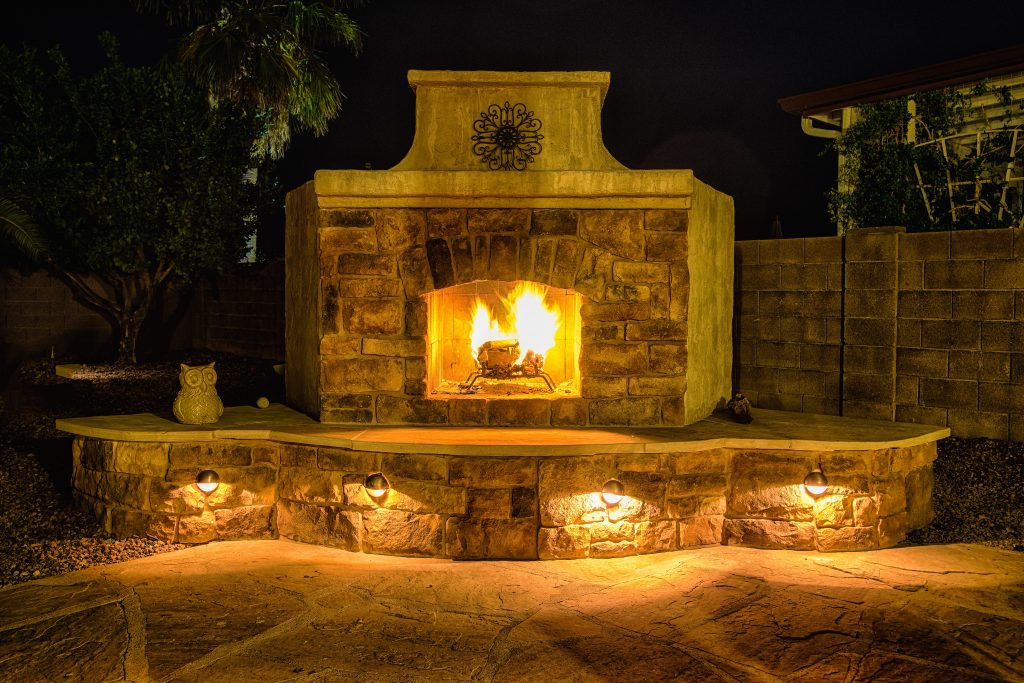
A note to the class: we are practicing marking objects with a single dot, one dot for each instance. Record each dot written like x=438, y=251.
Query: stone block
x=445, y=222
x=891, y=495
x=340, y=345
x=372, y=316
x=570, y=489
x=615, y=331
x=919, y=484
x=846, y=462
x=568, y=412
x=490, y=503
x=415, y=318
x=593, y=273
x=865, y=511
x=504, y=258
x=554, y=222
x=640, y=272
x=566, y=262
x=493, y=472
x=907, y=390
x=612, y=549
x=346, y=460
x=499, y=220
x=400, y=228
x=845, y=538
x=869, y=388
x=493, y=539
x=314, y=486
x=711, y=483
x=823, y=249
x=666, y=246
x=396, y=532
x=368, y=373
x=767, y=533
x=348, y=240
x=921, y=415
x=625, y=411
x=926, y=304
x=596, y=312
x=414, y=270
x=638, y=462
x=910, y=275
x=673, y=220
x=129, y=490
x=125, y=523
x=822, y=357
x=524, y=502
x=245, y=523
x=177, y=499
x=892, y=530
x=656, y=330
x=394, y=347
x=604, y=387
x=655, y=537
x=562, y=543
x=415, y=466
x=674, y=385
x=366, y=264
x=955, y=275
x=970, y=424
x=1002, y=336
x=542, y=258
x=442, y=269
x=266, y=454
x=767, y=484
x=798, y=382
x=345, y=218
x=780, y=251
x=413, y=410
x=139, y=457
x=323, y=525
x=519, y=412
x=467, y=411
x=871, y=275
x=700, y=462
x=203, y=455
x=607, y=358
x=424, y=497
x=802, y=277
x=627, y=292
x=777, y=355
x=462, y=259
x=704, y=530
x=617, y=231
x=197, y=528
x=668, y=359
x=833, y=510
x=870, y=331
x=346, y=407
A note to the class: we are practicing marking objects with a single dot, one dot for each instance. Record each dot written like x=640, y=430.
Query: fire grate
x=496, y=359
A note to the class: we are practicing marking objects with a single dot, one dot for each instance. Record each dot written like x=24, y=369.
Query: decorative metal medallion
x=507, y=137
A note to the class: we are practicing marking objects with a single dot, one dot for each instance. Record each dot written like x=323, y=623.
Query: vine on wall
x=934, y=161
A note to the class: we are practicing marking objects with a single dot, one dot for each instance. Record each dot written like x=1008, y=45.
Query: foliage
x=267, y=57
x=128, y=173
x=19, y=228
x=950, y=174
x=978, y=494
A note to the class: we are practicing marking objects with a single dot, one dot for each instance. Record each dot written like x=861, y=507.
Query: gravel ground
x=41, y=531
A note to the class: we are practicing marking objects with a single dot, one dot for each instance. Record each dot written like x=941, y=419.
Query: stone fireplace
x=508, y=184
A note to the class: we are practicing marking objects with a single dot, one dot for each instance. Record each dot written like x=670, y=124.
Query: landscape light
x=376, y=485
x=207, y=481
x=613, y=491
x=816, y=482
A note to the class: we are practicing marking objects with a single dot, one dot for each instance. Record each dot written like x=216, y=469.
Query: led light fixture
x=612, y=492
x=816, y=482
x=376, y=485
x=207, y=481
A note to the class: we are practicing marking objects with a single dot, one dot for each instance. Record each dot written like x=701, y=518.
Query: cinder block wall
x=916, y=327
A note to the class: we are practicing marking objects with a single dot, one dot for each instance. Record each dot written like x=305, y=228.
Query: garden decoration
x=197, y=402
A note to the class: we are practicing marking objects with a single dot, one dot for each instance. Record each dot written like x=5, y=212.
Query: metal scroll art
x=507, y=137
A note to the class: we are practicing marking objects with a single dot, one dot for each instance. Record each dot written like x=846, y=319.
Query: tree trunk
x=130, y=323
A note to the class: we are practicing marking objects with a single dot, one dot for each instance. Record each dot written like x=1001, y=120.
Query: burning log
x=496, y=359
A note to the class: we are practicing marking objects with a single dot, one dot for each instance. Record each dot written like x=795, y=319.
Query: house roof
x=954, y=72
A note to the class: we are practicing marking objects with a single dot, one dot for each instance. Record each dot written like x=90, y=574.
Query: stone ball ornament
x=197, y=401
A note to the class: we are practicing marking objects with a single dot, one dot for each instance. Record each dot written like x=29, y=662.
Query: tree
x=130, y=176
x=266, y=57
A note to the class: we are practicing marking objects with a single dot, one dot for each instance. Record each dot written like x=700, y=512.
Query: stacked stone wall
x=927, y=327
x=522, y=507
x=630, y=266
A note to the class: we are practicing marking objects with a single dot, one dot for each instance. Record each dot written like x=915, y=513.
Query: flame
x=528, y=319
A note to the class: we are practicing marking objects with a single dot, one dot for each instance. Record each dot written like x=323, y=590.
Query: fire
x=528, y=319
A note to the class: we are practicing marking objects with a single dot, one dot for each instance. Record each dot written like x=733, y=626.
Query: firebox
x=492, y=338
x=508, y=271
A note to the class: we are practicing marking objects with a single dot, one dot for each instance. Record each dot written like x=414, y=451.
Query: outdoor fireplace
x=508, y=189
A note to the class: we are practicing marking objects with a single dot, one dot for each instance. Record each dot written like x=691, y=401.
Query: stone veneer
x=646, y=250
x=516, y=507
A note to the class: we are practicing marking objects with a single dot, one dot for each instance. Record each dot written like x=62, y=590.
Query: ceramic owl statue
x=197, y=402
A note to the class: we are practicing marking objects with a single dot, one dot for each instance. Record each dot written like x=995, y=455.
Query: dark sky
x=693, y=84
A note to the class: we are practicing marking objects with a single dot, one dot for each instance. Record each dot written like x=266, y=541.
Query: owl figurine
x=197, y=402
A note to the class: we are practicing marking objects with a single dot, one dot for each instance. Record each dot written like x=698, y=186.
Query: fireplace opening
x=495, y=338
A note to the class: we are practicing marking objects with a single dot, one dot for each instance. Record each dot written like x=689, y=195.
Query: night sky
x=693, y=85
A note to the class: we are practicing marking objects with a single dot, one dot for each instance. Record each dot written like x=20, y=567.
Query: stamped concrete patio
x=284, y=611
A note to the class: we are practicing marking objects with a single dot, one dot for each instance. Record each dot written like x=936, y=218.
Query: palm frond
x=17, y=226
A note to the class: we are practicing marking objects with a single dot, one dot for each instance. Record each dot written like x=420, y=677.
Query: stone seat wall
x=515, y=507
